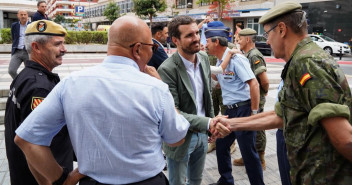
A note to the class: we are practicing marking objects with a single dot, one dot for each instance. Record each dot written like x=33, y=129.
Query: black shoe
x=217, y=183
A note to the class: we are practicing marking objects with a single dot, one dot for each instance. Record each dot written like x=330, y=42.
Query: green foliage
x=112, y=12
x=149, y=8
x=6, y=36
x=86, y=37
x=59, y=19
x=72, y=37
x=217, y=6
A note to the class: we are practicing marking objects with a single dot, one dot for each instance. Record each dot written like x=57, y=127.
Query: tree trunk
x=150, y=20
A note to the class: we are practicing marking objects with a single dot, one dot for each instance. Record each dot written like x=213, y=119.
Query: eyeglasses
x=266, y=33
x=154, y=46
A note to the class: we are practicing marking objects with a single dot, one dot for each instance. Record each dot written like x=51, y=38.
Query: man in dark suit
x=18, y=52
x=187, y=72
x=40, y=14
x=160, y=33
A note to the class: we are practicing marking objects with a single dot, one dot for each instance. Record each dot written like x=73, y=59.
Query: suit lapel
x=206, y=92
x=184, y=76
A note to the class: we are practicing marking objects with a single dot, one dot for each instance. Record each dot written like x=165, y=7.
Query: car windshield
x=327, y=38
x=260, y=39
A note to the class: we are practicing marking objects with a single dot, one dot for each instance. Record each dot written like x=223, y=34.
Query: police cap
x=45, y=27
x=216, y=28
x=279, y=10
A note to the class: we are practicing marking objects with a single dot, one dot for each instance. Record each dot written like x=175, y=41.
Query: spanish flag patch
x=36, y=101
x=304, y=79
x=257, y=62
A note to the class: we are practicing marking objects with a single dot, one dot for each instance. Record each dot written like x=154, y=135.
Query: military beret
x=45, y=27
x=247, y=31
x=216, y=28
x=279, y=10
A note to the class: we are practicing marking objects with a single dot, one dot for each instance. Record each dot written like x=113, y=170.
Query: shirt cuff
x=259, y=70
x=208, y=123
x=278, y=110
x=327, y=110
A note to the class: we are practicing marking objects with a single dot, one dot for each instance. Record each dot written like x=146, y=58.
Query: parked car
x=330, y=45
x=262, y=46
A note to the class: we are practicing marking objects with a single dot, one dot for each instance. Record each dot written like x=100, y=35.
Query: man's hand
x=217, y=129
x=150, y=70
x=73, y=177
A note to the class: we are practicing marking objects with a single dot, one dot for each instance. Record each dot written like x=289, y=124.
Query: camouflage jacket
x=314, y=88
x=258, y=65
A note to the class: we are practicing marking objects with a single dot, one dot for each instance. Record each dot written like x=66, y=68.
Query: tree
x=149, y=8
x=112, y=12
x=219, y=7
x=59, y=19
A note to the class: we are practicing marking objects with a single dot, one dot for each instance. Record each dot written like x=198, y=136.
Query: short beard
x=188, y=49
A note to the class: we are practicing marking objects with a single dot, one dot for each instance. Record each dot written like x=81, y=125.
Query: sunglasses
x=154, y=46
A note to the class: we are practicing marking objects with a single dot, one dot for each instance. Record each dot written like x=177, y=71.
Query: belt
x=157, y=179
x=239, y=104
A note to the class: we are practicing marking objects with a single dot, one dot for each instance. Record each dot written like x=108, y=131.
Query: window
x=253, y=23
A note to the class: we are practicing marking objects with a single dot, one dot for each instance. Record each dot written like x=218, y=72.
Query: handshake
x=219, y=128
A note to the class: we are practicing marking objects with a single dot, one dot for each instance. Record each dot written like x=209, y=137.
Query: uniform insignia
x=304, y=79
x=36, y=101
x=257, y=62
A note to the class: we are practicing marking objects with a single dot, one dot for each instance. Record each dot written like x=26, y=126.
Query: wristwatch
x=254, y=112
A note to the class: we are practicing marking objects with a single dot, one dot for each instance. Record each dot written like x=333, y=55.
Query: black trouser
x=159, y=179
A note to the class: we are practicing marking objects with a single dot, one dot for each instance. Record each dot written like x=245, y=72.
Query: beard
x=192, y=48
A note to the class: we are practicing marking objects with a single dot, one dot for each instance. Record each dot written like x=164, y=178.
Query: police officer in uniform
x=314, y=106
x=256, y=60
x=45, y=45
x=240, y=94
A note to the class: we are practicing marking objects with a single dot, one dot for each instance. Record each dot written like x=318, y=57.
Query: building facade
x=66, y=8
x=9, y=9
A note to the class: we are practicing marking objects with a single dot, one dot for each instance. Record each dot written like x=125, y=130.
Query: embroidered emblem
x=41, y=26
x=257, y=62
x=304, y=79
x=36, y=101
x=229, y=73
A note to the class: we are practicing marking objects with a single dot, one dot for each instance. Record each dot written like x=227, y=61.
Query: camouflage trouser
x=260, y=140
x=217, y=101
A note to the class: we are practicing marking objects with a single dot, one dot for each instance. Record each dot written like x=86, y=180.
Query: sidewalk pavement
x=210, y=175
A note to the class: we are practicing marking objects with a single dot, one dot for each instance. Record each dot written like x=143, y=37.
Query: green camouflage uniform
x=314, y=88
x=216, y=92
x=258, y=66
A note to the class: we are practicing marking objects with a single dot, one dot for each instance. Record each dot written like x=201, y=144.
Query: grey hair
x=296, y=20
x=253, y=38
x=41, y=39
x=222, y=40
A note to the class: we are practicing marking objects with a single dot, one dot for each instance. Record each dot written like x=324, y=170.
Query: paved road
x=74, y=62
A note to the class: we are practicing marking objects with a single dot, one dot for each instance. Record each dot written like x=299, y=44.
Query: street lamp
x=186, y=5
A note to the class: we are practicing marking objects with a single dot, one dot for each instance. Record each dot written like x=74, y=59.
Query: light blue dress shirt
x=233, y=80
x=203, y=39
x=117, y=119
x=22, y=35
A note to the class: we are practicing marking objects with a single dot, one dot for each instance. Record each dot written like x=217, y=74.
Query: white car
x=330, y=45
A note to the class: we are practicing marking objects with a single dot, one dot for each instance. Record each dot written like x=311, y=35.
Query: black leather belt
x=239, y=104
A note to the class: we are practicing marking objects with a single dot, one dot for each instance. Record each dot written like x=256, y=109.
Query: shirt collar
x=160, y=45
x=224, y=55
x=34, y=65
x=303, y=42
x=188, y=64
x=247, y=54
x=120, y=60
